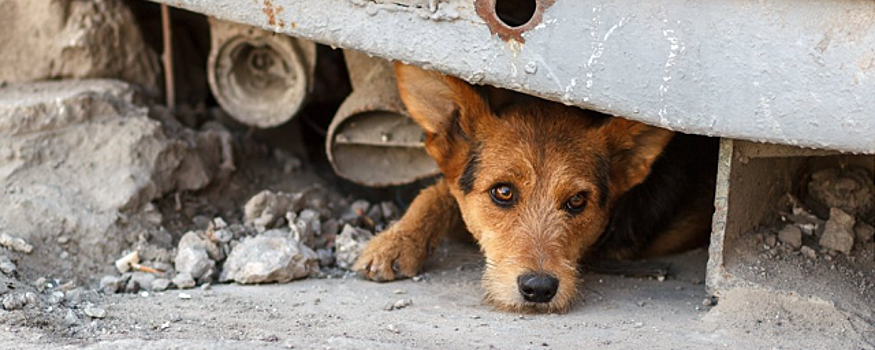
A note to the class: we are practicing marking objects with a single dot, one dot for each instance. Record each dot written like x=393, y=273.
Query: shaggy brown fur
x=536, y=184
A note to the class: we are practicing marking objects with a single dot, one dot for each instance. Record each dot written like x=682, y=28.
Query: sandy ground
x=447, y=313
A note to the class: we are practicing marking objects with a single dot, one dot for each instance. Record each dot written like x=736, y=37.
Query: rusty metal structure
x=788, y=85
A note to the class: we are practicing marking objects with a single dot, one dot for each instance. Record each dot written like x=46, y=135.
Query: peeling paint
x=434, y=10
x=675, y=48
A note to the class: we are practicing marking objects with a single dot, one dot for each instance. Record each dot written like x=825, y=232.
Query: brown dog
x=541, y=186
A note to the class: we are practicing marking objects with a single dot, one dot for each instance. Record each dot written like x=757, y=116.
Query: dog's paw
x=392, y=255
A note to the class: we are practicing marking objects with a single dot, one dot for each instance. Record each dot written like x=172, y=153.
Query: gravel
x=398, y=304
x=70, y=317
x=94, y=312
x=15, y=243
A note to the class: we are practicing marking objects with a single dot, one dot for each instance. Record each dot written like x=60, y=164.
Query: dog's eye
x=503, y=195
x=576, y=203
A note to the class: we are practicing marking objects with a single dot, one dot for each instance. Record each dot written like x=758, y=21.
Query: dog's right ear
x=440, y=104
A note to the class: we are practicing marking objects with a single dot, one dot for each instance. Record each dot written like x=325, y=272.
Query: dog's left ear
x=436, y=101
x=447, y=109
x=634, y=147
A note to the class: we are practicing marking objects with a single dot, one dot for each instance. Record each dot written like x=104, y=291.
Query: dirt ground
x=341, y=311
x=441, y=309
x=446, y=312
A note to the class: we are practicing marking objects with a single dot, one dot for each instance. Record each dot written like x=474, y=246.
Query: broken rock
x=94, y=312
x=58, y=39
x=808, y=252
x=7, y=267
x=305, y=227
x=791, y=236
x=349, y=245
x=326, y=257
x=264, y=209
x=70, y=318
x=390, y=211
x=142, y=280
x=270, y=257
x=111, y=284
x=850, y=189
x=863, y=231
x=15, y=243
x=194, y=255
x=160, y=285
x=14, y=301
x=83, y=159
x=184, y=281
x=839, y=232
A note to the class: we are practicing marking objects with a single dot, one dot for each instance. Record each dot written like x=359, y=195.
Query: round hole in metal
x=515, y=13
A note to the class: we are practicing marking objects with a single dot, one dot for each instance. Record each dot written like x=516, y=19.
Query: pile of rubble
x=848, y=198
x=282, y=237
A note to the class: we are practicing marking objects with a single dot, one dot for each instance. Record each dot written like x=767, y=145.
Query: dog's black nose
x=538, y=288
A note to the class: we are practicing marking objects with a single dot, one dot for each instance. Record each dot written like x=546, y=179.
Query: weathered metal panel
x=779, y=71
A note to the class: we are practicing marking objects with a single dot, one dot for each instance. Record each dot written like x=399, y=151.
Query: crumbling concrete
x=80, y=163
x=839, y=232
x=58, y=39
x=196, y=256
x=864, y=232
x=850, y=190
x=271, y=257
x=264, y=209
x=791, y=235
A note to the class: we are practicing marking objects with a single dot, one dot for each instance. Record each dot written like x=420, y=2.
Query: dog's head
x=534, y=181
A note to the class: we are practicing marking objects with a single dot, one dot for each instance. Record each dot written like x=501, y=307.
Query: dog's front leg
x=400, y=251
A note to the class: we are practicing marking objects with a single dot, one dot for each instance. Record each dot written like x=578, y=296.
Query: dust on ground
x=445, y=312
x=47, y=303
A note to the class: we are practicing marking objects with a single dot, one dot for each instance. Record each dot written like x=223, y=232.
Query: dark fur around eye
x=503, y=195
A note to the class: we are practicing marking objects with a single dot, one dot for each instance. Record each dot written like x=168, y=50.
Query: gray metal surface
x=779, y=71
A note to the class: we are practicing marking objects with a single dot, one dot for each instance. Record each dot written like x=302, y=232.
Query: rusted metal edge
x=486, y=11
